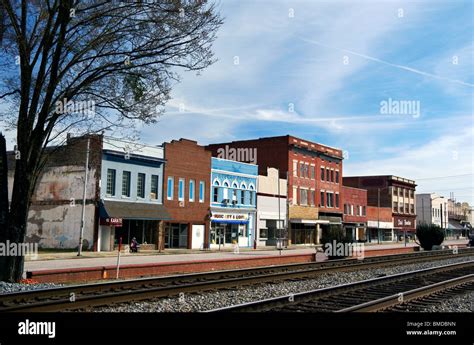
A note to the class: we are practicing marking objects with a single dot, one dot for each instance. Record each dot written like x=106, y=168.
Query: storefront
x=228, y=229
x=380, y=231
x=124, y=220
x=355, y=231
x=303, y=231
x=404, y=227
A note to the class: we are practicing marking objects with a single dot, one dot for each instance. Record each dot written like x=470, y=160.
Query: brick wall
x=186, y=159
x=355, y=197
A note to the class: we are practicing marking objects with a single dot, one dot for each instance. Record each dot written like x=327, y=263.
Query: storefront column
x=161, y=236
x=317, y=234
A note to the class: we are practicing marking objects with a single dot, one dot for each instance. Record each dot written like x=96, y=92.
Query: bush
x=332, y=237
x=429, y=235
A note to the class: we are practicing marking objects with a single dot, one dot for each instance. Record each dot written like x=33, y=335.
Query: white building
x=271, y=196
x=432, y=208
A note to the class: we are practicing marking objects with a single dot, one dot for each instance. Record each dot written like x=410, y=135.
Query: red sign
x=117, y=222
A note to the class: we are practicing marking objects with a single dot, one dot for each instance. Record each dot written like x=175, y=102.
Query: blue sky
x=334, y=62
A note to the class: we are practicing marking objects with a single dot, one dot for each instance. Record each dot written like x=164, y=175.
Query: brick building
x=355, y=212
x=186, y=195
x=392, y=192
x=314, y=174
x=123, y=194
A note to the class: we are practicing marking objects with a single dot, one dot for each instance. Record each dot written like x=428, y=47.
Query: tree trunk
x=12, y=266
x=3, y=190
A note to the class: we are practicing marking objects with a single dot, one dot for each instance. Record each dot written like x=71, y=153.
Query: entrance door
x=198, y=237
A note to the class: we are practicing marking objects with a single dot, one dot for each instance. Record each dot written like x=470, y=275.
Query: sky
x=326, y=70
x=321, y=70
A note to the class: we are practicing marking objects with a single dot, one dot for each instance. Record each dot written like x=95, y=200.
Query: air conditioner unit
x=153, y=196
x=181, y=204
x=234, y=202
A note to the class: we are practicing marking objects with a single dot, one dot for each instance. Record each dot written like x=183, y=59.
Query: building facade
x=131, y=194
x=355, y=212
x=271, y=208
x=187, y=195
x=314, y=174
x=233, y=203
x=380, y=226
x=55, y=215
x=390, y=191
x=432, y=209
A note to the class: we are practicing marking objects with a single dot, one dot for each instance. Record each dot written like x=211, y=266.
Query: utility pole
x=83, y=211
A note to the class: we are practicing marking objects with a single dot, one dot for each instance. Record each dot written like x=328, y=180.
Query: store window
x=303, y=197
x=141, y=185
x=111, y=182
x=202, y=189
x=154, y=187
x=170, y=187
x=181, y=189
x=191, y=190
x=126, y=177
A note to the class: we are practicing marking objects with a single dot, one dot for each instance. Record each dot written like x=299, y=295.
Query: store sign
x=403, y=222
x=230, y=216
x=111, y=221
x=380, y=225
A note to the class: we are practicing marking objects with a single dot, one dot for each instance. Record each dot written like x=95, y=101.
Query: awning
x=132, y=210
x=455, y=225
x=330, y=220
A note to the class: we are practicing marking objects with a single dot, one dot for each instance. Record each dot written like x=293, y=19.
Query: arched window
x=251, y=186
x=243, y=185
x=216, y=182
x=226, y=183
x=235, y=184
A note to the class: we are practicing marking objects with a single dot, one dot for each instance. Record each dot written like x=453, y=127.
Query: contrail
x=392, y=64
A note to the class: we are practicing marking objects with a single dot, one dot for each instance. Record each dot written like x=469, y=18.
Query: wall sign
x=111, y=221
x=229, y=216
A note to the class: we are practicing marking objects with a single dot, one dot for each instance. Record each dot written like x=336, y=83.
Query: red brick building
x=392, y=192
x=186, y=195
x=355, y=212
x=314, y=179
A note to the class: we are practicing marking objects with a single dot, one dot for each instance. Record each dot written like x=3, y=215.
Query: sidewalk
x=60, y=260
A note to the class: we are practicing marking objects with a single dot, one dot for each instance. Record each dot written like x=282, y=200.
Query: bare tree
x=89, y=65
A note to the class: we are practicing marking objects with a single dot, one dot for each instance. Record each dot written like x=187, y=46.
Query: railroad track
x=367, y=295
x=90, y=295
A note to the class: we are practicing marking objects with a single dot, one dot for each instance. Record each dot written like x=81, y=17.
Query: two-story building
x=271, y=208
x=131, y=194
x=187, y=195
x=233, y=203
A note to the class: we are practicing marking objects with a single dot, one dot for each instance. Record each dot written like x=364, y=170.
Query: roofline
x=231, y=160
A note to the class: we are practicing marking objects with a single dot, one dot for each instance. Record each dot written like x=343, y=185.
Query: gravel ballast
x=15, y=287
x=231, y=296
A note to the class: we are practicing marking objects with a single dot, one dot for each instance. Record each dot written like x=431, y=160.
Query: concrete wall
x=54, y=218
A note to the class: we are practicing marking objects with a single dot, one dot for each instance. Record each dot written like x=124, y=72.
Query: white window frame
x=181, y=198
x=193, y=190
x=203, y=184
x=168, y=196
